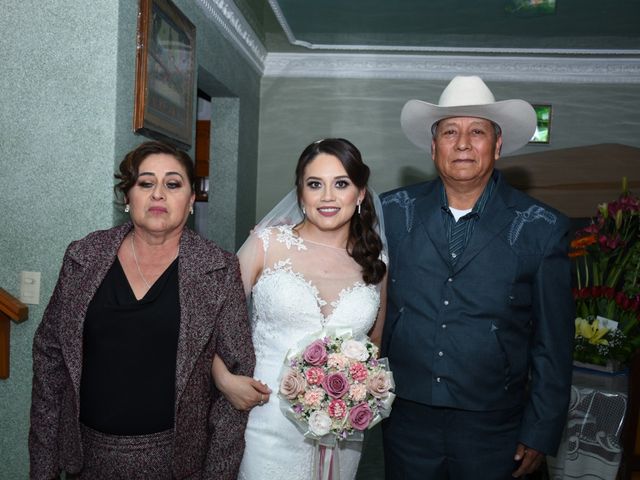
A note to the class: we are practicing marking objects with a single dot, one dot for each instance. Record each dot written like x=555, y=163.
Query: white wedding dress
x=303, y=287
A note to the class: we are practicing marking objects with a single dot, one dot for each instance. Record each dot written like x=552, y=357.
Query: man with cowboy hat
x=480, y=318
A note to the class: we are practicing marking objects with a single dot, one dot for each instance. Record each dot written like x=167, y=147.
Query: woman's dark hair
x=130, y=165
x=364, y=244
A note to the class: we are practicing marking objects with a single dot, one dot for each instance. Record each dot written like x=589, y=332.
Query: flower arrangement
x=334, y=387
x=607, y=293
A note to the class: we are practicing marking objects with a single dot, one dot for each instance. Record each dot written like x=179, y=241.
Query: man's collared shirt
x=459, y=232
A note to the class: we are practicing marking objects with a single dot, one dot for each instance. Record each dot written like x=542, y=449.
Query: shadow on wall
x=411, y=175
x=518, y=177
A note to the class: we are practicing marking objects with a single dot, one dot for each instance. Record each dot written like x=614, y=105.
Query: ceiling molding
x=426, y=49
x=561, y=69
x=236, y=29
x=440, y=67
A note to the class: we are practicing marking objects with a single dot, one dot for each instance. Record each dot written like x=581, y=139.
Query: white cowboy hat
x=470, y=97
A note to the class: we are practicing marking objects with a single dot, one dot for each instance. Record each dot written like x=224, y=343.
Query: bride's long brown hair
x=364, y=244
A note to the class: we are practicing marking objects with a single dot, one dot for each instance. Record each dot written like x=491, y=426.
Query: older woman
x=122, y=383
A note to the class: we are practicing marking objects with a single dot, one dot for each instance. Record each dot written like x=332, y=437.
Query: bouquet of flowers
x=607, y=293
x=333, y=387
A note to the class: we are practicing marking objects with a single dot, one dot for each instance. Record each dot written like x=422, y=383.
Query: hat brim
x=516, y=118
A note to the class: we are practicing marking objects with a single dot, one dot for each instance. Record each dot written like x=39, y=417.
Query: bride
x=315, y=261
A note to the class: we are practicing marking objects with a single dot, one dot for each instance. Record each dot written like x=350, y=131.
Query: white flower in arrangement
x=319, y=423
x=355, y=349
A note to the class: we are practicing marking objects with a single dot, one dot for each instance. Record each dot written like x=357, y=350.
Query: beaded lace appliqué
x=285, y=235
x=346, y=291
x=285, y=266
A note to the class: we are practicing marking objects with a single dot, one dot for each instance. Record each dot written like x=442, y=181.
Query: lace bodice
x=302, y=287
x=305, y=286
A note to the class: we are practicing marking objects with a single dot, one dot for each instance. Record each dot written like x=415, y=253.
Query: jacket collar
x=500, y=208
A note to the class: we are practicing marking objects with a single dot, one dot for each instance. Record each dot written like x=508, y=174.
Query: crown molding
x=421, y=66
x=441, y=67
x=236, y=29
x=426, y=49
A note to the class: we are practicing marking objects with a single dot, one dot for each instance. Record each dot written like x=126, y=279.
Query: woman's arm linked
x=241, y=391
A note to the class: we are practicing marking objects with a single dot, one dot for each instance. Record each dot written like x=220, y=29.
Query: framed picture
x=165, y=73
x=543, y=127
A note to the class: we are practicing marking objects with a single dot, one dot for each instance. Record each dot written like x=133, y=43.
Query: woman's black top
x=129, y=355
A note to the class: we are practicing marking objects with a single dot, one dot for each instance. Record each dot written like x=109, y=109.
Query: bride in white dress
x=313, y=262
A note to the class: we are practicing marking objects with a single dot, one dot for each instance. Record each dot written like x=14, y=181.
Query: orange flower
x=578, y=253
x=584, y=241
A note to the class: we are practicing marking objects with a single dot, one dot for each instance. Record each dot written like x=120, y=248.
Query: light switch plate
x=30, y=287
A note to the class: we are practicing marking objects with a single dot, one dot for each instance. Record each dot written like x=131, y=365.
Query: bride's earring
x=304, y=211
x=359, y=207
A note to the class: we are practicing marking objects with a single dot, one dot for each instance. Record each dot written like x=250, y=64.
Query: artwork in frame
x=543, y=126
x=165, y=73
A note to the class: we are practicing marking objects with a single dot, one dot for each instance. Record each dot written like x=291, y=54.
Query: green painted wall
x=295, y=112
x=66, y=96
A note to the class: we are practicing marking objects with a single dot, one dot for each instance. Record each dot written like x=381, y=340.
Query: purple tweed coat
x=209, y=432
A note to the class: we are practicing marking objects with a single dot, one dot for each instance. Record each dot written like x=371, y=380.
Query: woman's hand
x=243, y=393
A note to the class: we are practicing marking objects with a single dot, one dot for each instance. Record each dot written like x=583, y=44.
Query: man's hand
x=530, y=460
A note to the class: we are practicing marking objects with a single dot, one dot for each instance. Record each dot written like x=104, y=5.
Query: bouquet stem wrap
x=326, y=462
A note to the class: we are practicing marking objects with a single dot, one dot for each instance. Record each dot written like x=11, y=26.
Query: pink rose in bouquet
x=292, y=384
x=336, y=384
x=360, y=416
x=379, y=384
x=316, y=353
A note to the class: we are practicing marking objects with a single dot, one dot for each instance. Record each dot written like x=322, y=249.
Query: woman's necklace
x=135, y=259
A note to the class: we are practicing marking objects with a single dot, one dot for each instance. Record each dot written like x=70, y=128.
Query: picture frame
x=543, y=126
x=165, y=74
